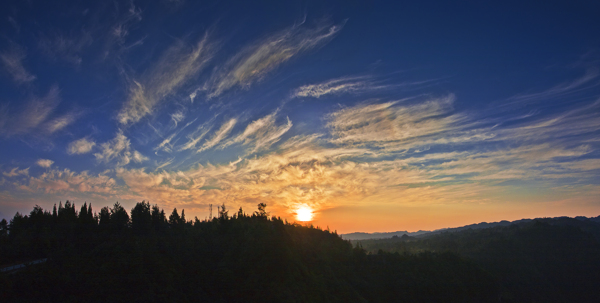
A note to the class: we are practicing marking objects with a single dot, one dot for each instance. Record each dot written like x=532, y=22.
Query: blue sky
x=374, y=115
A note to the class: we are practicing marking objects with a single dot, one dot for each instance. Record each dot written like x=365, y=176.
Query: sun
x=304, y=213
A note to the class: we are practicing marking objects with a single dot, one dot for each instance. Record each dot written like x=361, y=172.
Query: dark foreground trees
x=228, y=259
x=545, y=260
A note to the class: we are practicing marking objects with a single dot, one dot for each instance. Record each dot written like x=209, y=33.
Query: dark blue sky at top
x=507, y=63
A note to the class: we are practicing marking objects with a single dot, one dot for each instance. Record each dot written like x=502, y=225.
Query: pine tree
x=104, y=217
x=182, y=219
x=119, y=218
x=174, y=218
x=141, y=217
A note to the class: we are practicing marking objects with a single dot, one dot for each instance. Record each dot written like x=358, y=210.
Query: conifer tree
x=119, y=218
x=182, y=219
x=141, y=218
x=104, y=217
x=174, y=218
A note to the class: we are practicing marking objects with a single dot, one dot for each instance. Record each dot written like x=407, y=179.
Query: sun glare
x=304, y=214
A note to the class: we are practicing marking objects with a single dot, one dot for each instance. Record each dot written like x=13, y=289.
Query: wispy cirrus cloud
x=119, y=148
x=390, y=121
x=197, y=135
x=62, y=181
x=219, y=135
x=176, y=66
x=12, y=60
x=261, y=133
x=252, y=63
x=61, y=122
x=168, y=143
x=120, y=29
x=16, y=172
x=334, y=87
x=35, y=115
x=81, y=146
x=564, y=89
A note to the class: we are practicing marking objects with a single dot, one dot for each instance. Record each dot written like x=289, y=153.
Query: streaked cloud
x=119, y=148
x=261, y=134
x=335, y=86
x=253, y=62
x=391, y=122
x=35, y=115
x=63, y=181
x=12, y=60
x=177, y=117
x=219, y=135
x=120, y=30
x=44, y=163
x=61, y=122
x=16, y=172
x=176, y=66
x=564, y=89
x=81, y=146
x=197, y=135
x=167, y=144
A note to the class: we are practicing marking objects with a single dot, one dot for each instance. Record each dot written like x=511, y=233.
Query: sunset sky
x=366, y=115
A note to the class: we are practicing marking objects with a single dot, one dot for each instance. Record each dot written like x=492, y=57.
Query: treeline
x=145, y=256
x=38, y=234
x=544, y=260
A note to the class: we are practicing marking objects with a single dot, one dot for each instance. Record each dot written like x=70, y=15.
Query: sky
x=367, y=116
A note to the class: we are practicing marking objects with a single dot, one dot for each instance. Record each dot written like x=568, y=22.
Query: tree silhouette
x=159, y=220
x=182, y=219
x=174, y=218
x=223, y=212
x=141, y=218
x=262, y=211
x=104, y=217
x=3, y=228
x=119, y=218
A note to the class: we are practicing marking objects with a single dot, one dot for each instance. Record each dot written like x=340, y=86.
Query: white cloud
x=138, y=157
x=176, y=67
x=255, y=61
x=44, y=163
x=261, y=134
x=119, y=148
x=60, y=122
x=81, y=146
x=177, y=117
x=389, y=121
x=219, y=135
x=166, y=145
x=335, y=86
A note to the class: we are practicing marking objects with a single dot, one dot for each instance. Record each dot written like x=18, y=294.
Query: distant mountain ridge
x=423, y=233
x=366, y=236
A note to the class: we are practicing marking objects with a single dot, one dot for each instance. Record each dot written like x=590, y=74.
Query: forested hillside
x=145, y=256
x=541, y=260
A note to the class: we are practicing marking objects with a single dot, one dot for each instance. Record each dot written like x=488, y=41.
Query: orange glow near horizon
x=304, y=214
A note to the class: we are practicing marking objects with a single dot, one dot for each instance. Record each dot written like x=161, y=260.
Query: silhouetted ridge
x=143, y=256
x=540, y=260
